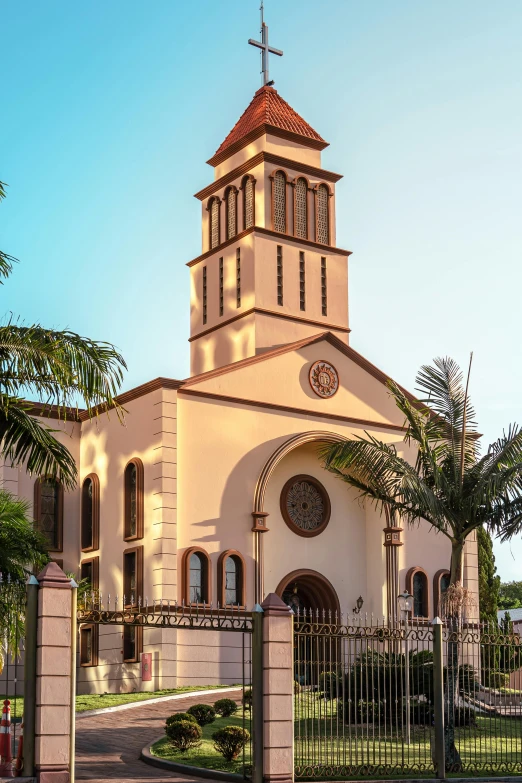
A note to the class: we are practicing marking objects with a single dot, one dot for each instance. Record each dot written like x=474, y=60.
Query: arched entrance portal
x=309, y=590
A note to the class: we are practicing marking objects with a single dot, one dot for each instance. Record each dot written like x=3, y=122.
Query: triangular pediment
x=280, y=378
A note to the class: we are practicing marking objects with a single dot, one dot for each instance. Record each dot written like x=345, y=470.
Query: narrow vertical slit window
x=221, y=286
x=280, y=202
x=324, y=295
x=238, y=278
x=231, y=213
x=214, y=223
x=302, y=281
x=279, y=275
x=204, y=294
x=300, y=208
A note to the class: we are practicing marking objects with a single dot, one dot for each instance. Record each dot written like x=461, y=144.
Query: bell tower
x=270, y=272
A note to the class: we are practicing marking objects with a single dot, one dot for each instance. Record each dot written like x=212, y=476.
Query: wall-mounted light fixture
x=358, y=605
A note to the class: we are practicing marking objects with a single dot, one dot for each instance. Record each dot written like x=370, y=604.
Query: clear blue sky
x=110, y=109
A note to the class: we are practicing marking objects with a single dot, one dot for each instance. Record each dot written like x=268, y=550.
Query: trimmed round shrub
x=184, y=735
x=464, y=716
x=495, y=680
x=330, y=683
x=247, y=699
x=225, y=707
x=230, y=741
x=179, y=716
x=203, y=713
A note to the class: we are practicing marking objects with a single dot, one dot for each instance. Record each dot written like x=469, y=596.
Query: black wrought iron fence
x=12, y=632
x=377, y=699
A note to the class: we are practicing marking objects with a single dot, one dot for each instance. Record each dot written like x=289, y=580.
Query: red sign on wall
x=146, y=667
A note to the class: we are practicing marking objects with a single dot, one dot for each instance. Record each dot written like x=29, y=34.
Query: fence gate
x=165, y=614
x=377, y=701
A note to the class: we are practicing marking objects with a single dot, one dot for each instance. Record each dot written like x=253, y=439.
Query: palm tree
x=450, y=486
x=59, y=368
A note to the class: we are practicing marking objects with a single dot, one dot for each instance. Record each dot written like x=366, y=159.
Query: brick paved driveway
x=108, y=746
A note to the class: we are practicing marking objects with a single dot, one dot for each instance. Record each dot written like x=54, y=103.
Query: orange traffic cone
x=6, y=756
x=19, y=763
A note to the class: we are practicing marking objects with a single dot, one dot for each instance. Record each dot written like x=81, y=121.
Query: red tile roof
x=268, y=108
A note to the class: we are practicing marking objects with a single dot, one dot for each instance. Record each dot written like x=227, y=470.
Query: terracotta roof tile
x=268, y=108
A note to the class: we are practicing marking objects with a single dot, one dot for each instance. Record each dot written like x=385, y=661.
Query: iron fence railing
x=12, y=639
x=377, y=699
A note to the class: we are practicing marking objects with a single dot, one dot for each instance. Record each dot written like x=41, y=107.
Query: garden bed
x=205, y=755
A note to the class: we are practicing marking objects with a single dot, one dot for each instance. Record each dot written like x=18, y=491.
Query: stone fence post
x=278, y=691
x=53, y=676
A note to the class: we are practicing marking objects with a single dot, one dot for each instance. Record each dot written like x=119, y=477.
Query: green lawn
x=205, y=755
x=96, y=702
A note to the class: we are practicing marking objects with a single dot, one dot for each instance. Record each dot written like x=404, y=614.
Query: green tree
x=510, y=595
x=489, y=582
x=58, y=368
x=450, y=487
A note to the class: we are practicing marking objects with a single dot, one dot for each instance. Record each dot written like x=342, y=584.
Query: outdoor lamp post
x=405, y=601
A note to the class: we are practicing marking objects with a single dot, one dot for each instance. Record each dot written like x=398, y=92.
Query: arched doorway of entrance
x=306, y=590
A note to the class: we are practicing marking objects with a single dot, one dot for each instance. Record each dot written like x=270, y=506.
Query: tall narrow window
x=324, y=294
x=280, y=202
x=89, y=645
x=238, y=278
x=301, y=210
x=441, y=582
x=231, y=579
x=133, y=576
x=214, y=222
x=248, y=203
x=302, y=281
x=221, y=302
x=90, y=513
x=133, y=500
x=90, y=572
x=417, y=585
x=48, y=511
x=231, y=213
x=322, y=230
x=132, y=643
x=279, y=275
x=204, y=294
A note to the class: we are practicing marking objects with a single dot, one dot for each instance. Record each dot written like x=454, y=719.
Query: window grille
x=231, y=213
x=302, y=281
x=324, y=301
x=204, y=294
x=221, y=286
x=238, y=278
x=49, y=511
x=301, y=213
x=323, y=232
x=249, y=203
x=214, y=223
x=280, y=202
x=279, y=275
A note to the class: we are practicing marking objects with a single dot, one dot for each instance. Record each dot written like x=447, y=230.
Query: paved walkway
x=108, y=746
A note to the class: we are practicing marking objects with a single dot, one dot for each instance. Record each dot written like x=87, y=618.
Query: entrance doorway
x=305, y=590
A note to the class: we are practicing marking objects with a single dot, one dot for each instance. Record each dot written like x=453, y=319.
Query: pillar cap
x=275, y=605
x=52, y=575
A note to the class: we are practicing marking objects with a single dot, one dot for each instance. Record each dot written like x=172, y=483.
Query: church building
x=211, y=491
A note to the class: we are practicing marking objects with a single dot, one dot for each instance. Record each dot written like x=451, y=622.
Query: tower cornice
x=266, y=157
x=261, y=130
x=326, y=249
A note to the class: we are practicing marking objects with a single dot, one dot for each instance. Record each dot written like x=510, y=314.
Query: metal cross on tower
x=265, y=49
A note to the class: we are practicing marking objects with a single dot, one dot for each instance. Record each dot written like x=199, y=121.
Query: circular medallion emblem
x=305, y=505
x=324, y=379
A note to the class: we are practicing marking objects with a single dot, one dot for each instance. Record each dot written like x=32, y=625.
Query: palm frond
x=59, y=366
x=24, y=441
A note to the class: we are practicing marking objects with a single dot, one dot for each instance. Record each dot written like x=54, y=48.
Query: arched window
x=231, y=577
x=417, y=585
x=133, y=500
x=196, y=576
x=301, y=208
x=248, y=202
x=441, y=582
x=279, y=205
x=322, y=221
x=231, y=200
x=48, y=511
x=90, y=513
x=213, y=209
